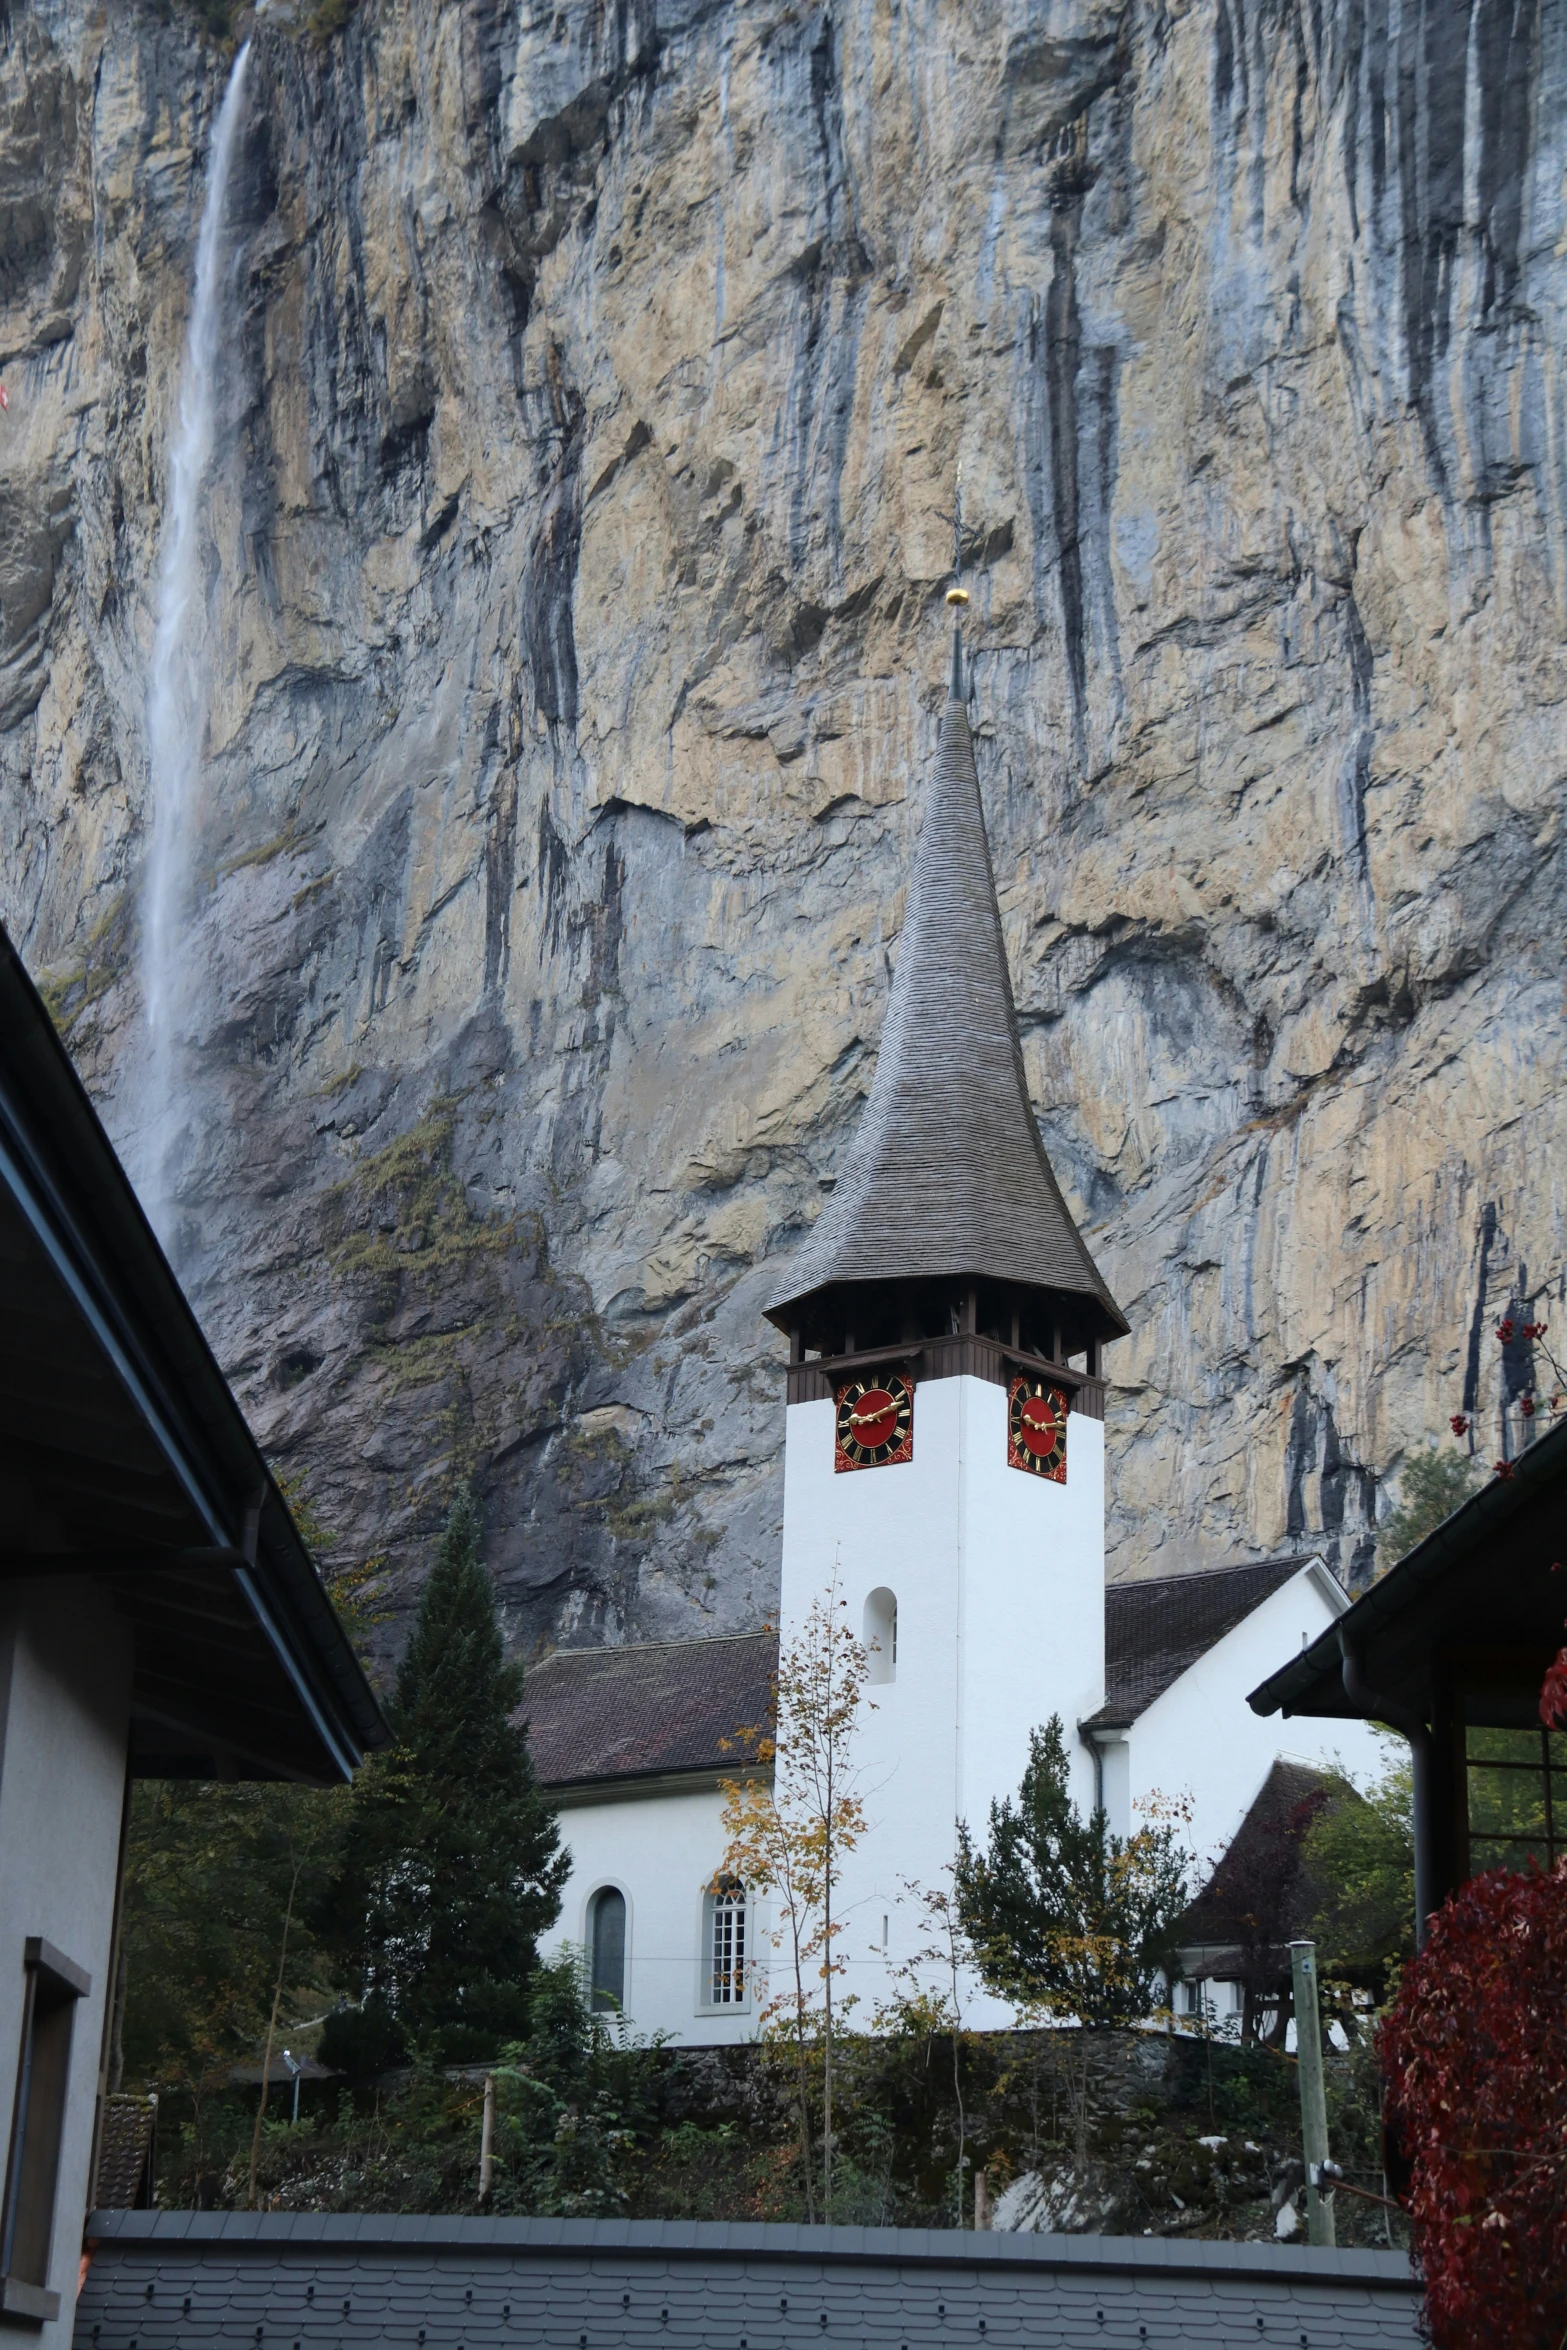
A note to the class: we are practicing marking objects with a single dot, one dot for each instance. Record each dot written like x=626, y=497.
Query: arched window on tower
x=881, y=1635
x=607, y=1950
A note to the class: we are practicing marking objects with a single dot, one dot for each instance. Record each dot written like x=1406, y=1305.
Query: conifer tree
x=455, y=1866
x=1064, y=1918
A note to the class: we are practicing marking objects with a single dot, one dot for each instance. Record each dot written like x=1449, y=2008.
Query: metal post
x=1313, y=2096
x=487, y=2141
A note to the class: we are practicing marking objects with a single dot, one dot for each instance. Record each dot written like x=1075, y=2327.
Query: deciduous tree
x=790, y=1832
x=1475, y=2055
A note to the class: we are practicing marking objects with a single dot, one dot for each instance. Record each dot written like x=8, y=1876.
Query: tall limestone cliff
x=594, y=389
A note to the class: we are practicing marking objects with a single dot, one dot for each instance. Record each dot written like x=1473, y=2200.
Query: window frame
x=40, y=2116
x=712, y=1900
x=1544, y=1772
x=879, y=1636
x=590, y=1946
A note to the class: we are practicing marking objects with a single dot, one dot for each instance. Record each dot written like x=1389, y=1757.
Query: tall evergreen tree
x=455, y=1866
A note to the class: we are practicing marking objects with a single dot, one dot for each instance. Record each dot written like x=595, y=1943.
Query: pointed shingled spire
x=947, y=1175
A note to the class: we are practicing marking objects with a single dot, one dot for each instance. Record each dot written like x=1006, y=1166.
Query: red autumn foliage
x=1475, y=2054
x=1553, y=1697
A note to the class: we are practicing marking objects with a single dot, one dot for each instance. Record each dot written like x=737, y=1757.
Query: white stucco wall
x=1202, y=1740
x=999, y=1579
x=662, y=1851
x=65, y=1672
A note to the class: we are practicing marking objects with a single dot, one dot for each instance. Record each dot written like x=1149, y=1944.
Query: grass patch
x=403, y=1210
x=70, y=992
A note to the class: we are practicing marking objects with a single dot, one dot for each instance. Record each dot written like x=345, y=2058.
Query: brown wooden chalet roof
x=1483, y=1586
x=947, y=1174
x=604, y=1714
x=1156, y=1628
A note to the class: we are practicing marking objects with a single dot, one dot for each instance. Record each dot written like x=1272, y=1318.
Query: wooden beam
x=117, y=1439
x=17, y=1565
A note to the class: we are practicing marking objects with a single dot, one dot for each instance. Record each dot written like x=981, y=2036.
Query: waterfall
x=177, y=683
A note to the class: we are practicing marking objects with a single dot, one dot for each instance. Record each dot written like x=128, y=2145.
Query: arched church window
x=881, y=1635
x=607, y=1950
x=724, y=1983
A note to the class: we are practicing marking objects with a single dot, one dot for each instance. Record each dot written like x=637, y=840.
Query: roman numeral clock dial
x=1036, y=1428
x=875, y=1422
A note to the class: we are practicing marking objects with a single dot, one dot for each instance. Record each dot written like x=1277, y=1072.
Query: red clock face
x=1036, y=1428
x=875, y=1422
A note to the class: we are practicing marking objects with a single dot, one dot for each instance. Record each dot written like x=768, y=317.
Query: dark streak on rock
x=500, y=866
x=1487, y=1241
x=548, y=636
x=1356, y=773
x=1061, y=355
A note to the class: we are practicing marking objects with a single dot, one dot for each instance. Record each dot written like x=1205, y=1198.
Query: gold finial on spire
x=957, y=594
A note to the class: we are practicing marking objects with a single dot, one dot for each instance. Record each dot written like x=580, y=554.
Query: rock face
x=597, y=382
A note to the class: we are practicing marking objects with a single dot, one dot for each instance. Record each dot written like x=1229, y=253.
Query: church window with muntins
x=607, y=1950
x=1036, y=1428
x=874, y=1427
x=726, y=1979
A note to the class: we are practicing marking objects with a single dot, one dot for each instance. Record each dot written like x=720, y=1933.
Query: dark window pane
x=1495, y=1852
x=608, y=1949
x=1504, y=1746
x=1506, y=1803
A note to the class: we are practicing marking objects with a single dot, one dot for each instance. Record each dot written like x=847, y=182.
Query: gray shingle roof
x=208, y=2281
x=947, y=1174
x=1156, y=1628
x=674, y=1705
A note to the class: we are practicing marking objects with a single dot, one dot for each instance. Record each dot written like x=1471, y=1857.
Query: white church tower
x=945, y=1431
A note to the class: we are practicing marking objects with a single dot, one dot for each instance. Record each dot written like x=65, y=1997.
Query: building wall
x=1202, y=1741
x=999, y=1581
x=662, y=1851
x=65, y=1673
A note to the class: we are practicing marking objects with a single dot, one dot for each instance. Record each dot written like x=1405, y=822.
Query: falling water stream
x=177, y=679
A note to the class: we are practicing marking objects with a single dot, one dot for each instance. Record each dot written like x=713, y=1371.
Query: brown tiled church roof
x=1260, y=1886
x=598, y=1714
x=1155, y=1629
x=947, y=1175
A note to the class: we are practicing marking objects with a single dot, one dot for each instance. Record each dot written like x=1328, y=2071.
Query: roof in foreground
x=125, y=1458
x=1485, y=1578
x=606, y=1714
x=1157, y=1628
x=161, y=2279
x=947, y=1174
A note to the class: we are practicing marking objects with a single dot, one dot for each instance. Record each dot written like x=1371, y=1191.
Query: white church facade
x=945, y=1460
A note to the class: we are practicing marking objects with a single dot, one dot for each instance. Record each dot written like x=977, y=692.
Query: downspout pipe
x=1374, y=1707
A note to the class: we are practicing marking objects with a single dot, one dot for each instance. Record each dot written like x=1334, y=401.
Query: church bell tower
x=945, y=1434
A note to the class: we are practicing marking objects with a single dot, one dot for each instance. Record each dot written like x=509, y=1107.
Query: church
x=945, y=1464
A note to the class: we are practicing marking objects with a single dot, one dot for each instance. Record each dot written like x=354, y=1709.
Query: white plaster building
x=945, y=1457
